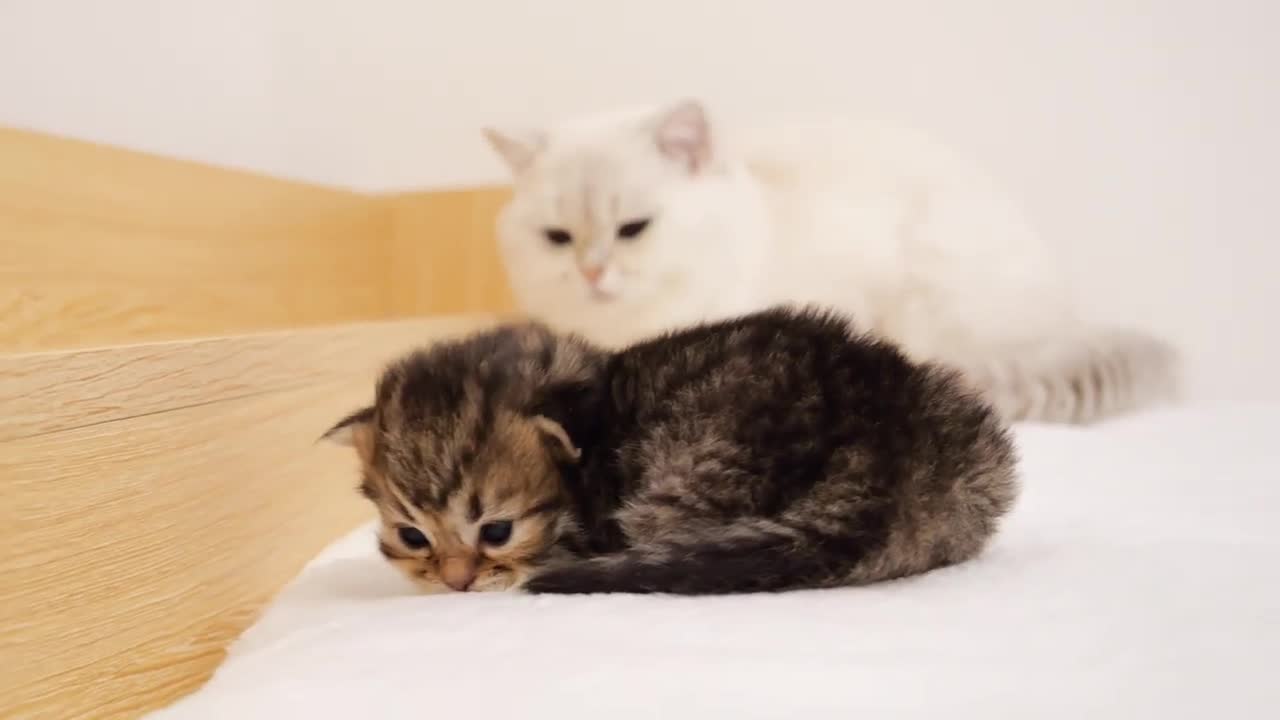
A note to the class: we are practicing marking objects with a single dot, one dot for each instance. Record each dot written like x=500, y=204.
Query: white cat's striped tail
x=1082, y=378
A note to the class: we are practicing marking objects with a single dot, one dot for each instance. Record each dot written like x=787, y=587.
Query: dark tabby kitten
x=776, y=451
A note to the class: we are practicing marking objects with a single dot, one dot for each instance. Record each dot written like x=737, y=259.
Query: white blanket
x=1139, y=576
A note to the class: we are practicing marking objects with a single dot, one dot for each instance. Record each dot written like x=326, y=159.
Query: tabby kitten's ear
x=517, y=149
x=557, y=440
x=565, y=413
x=683, y=134
x=354, y=430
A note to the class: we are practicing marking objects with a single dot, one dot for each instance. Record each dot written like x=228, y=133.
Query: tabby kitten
x=775, y=451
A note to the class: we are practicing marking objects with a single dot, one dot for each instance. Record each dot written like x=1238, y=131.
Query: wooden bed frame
x=173, y=340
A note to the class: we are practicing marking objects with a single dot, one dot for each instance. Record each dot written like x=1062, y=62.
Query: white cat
x=627, y=224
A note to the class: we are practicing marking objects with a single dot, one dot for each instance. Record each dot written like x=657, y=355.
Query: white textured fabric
x=1139, y=576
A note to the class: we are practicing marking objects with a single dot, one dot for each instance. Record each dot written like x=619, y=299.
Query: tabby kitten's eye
x=496, y=533
x=628, y=231
x=412, y=537
x=556, y=236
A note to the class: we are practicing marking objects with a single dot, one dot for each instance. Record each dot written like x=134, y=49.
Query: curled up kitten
x=775, y=451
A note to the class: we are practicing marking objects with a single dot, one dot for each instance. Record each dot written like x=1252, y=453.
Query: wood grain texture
x=164, y=493
x=48, y=392
x=106, y=246
x=154, y=494
x=446, y=256
x=100, y=245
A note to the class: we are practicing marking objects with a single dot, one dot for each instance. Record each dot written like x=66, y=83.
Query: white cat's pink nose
x=592, y=273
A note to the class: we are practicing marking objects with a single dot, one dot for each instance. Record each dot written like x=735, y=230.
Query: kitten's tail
x=745, y=556
x=1081, y=379
x=755, y=555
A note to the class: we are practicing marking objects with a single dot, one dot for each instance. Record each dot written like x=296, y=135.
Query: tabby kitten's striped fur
x=775, y=451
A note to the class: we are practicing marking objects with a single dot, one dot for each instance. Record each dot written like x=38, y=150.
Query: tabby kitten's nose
x=458, y=573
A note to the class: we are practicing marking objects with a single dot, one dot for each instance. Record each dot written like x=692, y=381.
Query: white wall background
x=1141, y=134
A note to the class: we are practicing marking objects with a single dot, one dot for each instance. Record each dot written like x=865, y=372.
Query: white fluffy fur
x=883, y=223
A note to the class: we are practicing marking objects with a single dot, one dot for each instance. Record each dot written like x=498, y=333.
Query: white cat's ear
x=683, y=134
x=356, y=431
x=517, y=149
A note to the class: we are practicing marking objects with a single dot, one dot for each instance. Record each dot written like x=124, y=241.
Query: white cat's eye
x=556, y=236
x=630, y=230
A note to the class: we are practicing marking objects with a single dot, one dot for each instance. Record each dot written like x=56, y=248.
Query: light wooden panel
x=112, y=383
x=446, y=259
x=153, y=497
x=105, y=246
x=100, y=245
